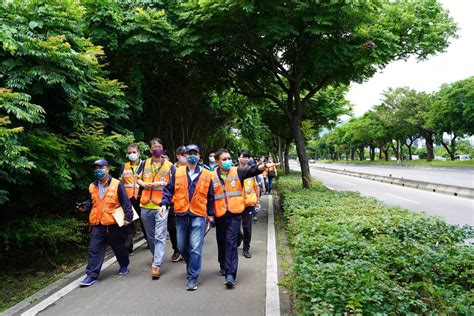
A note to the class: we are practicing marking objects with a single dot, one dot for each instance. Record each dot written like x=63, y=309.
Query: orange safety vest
x=198, y=203
x=163, y=174
x=103, y=208
x=250, y=193
x=230, y=196
x=129, y=179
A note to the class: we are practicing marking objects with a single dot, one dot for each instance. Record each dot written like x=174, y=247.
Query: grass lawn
x=21, y=279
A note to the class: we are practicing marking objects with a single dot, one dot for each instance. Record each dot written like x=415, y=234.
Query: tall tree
x=52, y=76
x=294, y=49
x=453, y=113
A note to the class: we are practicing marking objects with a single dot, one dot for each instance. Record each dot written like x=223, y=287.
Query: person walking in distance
x=128, y=176
x=271, y=174
x=252, y=200
x=180, y=161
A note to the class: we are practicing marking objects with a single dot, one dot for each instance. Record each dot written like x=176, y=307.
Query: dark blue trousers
x=115, y=236
x=227, y=234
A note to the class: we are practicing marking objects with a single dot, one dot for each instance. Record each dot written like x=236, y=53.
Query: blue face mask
x=227, y=164
x=99, y=173
x=193, y=159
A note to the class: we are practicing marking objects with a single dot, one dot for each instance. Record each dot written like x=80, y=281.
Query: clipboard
x=119, y=215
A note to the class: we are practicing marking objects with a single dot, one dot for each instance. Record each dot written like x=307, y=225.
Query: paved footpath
x=137, y=294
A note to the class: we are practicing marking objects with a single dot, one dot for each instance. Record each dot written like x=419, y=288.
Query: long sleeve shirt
x=168, y=192
x=123, y=198
x=242, y=173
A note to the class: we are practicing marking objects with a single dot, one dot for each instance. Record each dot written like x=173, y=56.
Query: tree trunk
x=280, y=150
x=380, y=153
x=385, y=153
x=371, y=153
x=301, y=151
x=352, y=154
x=409, y=152
x=451, y=149
x=429, y=149
x=287, y=158
x=428, y=136
x=361, y=153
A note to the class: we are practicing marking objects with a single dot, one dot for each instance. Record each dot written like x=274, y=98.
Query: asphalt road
x=456, y=210
x=461, y=178
x=137, y=294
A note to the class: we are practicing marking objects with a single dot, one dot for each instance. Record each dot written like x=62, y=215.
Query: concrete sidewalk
x=137, y=294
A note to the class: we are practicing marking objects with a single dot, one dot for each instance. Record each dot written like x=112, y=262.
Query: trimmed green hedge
x=353, y=254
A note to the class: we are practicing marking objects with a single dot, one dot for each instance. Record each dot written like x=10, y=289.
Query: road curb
x=425, y=167
x=272, y=295
x=421, y=185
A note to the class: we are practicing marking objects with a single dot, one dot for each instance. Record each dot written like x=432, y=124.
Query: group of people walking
x=181, y=198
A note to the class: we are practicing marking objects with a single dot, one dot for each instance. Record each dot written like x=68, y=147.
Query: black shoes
x=247, y=254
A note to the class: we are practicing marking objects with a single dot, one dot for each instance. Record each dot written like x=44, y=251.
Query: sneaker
x=229, y=281
x=247, y=254
x=88, y=281
x=122, y=271
x=131, y=253
x=192, y=285
x=221, y=272
x=155, y=273
x=176, y=256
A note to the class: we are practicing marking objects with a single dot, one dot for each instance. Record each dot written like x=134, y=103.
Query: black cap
x=180, y=150
x=101, y=163
x=192, y=147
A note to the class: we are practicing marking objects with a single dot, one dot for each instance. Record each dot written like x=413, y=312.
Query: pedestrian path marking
x=72, y=286
x=272, y=299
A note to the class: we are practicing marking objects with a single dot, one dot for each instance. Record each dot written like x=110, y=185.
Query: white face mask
x=212, y=159
x=182, y=160
x=132, y=156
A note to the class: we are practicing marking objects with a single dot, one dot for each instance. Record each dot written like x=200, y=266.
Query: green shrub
x=354, y=254
x=48, y=233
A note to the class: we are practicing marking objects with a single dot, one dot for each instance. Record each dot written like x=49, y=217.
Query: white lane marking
x=272, y=296
x=330, y=188
x=72, y=286
x=350, y=183
x=397, y=197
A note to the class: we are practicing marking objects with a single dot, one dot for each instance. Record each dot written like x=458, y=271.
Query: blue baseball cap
x=101, y=163
x=192, y=147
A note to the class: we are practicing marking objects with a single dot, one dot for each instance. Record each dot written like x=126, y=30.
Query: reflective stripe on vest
x=163, y=174
x=228, y=197
x=198, y=203
x=129, y=180
x=103, y=208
